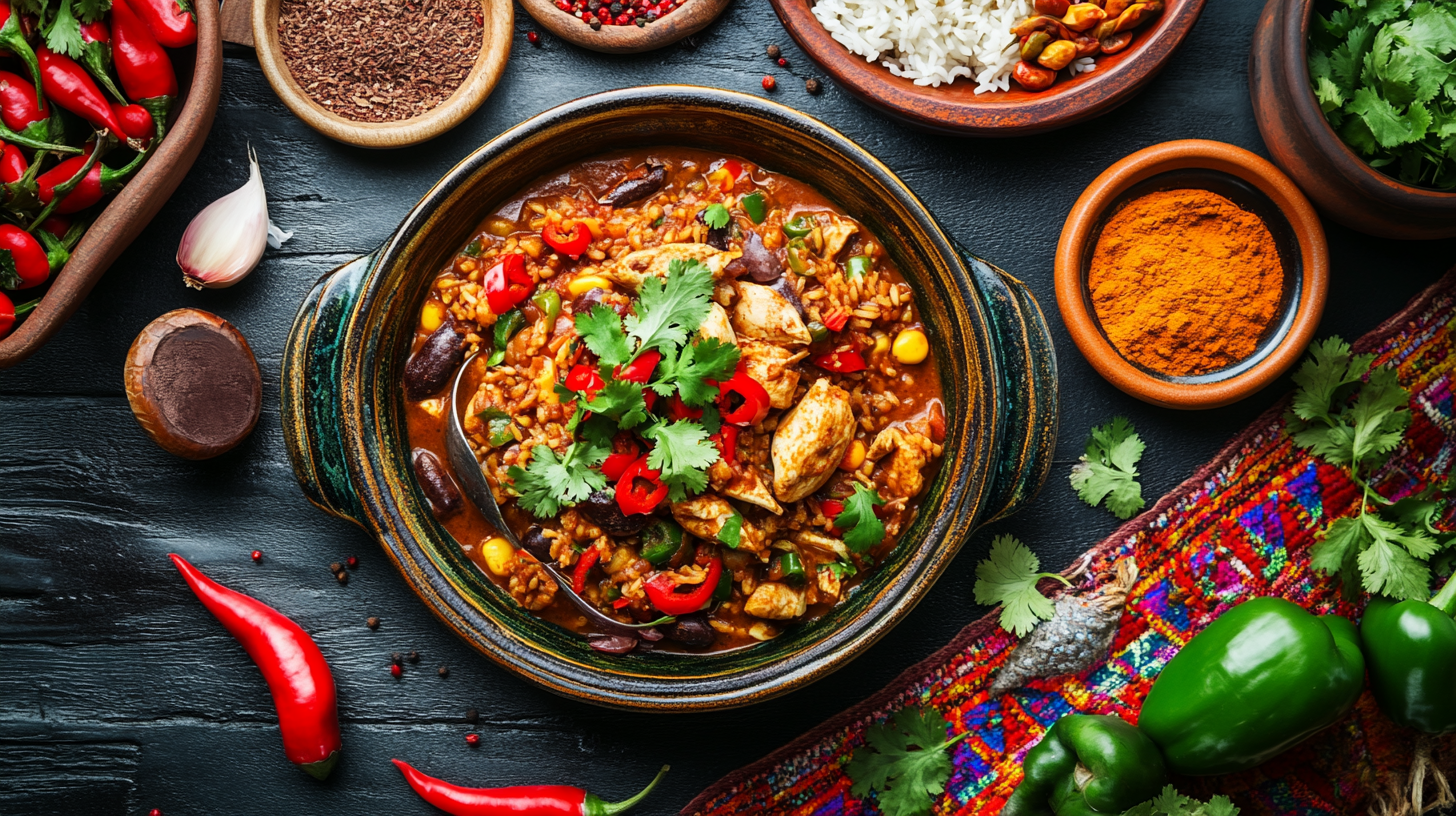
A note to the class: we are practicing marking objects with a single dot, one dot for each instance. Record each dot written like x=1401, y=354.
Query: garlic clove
x=226, y=240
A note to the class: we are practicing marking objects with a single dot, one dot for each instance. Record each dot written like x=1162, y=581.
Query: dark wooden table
x=119, y=693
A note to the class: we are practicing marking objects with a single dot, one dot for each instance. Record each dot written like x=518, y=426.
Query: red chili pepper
x=12, y=164
x=69, y=86
x=842, y=361
x=836, y=320
x=573, y=243
x=57, y=225
x=584, y=563
x=727, y=441
x=621, y=602
x=639, y=370
x=141, y=64
x=661, y=591
x=831, y=508
x=507, y=283
x=26, y=123
x=733, y=170
x=742, y=400
x=295, y=669
x=170, y=21
x=523, y=800
x=98, y=183
x=13, y=40
x=9, y=312
x=27, y=264
x=136, y=121
x=677, y=410
x=640, y=489
x=96, y=56
x=625, y=451
x=584, y=379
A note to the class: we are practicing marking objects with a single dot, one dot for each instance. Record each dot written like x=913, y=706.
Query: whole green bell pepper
x=1087, y=764
x=1256, y=682
x=1411, y=649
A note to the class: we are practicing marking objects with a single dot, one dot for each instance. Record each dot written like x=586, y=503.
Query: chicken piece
x=832, y=547
x=811, y=441
x=633, y=268
x=772, y=367
x=745, y=483
x=775, y=601
x=763, y=314
x=705, y=515
x=717, y=326
x=828, y=581
x=909, y=453
x=837, y=234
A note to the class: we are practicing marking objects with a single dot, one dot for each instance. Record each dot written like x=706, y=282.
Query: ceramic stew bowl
x=1304, y=145
x=343, y=406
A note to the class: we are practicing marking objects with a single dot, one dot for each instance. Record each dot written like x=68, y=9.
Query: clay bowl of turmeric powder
x=1191, y=274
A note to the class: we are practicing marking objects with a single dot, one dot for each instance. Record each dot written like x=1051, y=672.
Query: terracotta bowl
x=495, y=47
x=958, y=110
x=688, y=19
x=1252, y=183
x=1302, y=142
x=343, y=407
x=199, y=76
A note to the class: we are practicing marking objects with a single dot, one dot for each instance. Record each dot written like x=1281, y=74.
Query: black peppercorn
x=773, y=52
x=396, y=658
x=596, y=25
x=343, y=577
x=812, y=85
x=372, y=622
x=616, y=8
x=413, y=657
x=444, y=671
x=472, y=716
x=336, y=568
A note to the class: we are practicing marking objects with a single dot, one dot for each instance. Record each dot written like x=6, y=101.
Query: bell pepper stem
x=594, y=806
x=1445, y=600
x=158, y=107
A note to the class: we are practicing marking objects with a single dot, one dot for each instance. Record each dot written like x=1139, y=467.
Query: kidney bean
x=536, y=543
x=758, y=262
x=692, y=631
x=785, y=288
x=612, y=644
x=636, y=189
x=601, y=507
x=430, y=368
x=718, y=237
x=439, y=488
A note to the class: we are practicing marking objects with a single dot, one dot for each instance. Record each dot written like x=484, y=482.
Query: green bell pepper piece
x=1255, y=683
x=1410, y=647
x=754, y=205
x=799, y=227
x=858, y=267
x=1087, y=764
x=549, y=302
x=660, y=541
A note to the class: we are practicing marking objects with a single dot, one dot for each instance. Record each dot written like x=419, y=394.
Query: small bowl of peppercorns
x=624, y=26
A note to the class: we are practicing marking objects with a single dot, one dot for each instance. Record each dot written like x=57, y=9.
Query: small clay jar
x=193, y=384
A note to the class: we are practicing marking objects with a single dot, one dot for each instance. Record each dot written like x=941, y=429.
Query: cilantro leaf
x=1172, y=803
x=905, y=762
x=669, y=307
x=63, y=32
x=689, y=372
x=601, y=330
x=1008, y=577
x=1322, y=378
x=1108, y=469
x=622, y=402
x=681, y=455
x=716, y=216
x=498, y=426
x=863, y=530
x=732, y=532
x=553, y=481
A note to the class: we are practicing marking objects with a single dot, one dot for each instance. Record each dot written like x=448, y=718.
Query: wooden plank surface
x=118, y=693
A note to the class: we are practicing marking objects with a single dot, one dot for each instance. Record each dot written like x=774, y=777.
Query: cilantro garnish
x=1008, y=577
x=906, y=763
x=716, y=216
x=1108, y=470
x=1356, y=426
x=841, y=569
x=681, y=455
x=732, y=532
x=601, y=330
x=863, y=530
x=1172, y=803
x=622, y=402
x=668, y=308
x=498, y=426
x=1384, y=76
x=689, y=372
x=550, y=481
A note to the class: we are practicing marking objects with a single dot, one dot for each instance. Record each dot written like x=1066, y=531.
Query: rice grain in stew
x=723, y=409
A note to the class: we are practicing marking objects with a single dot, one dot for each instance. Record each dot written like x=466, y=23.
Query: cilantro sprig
x=905, y=762
x=1108, y=469
x=863, y=530
x=1008, y=577
x=551, y=481
x=695, y=371
x=1172, y=803
x=681, y=454
x=60, y=22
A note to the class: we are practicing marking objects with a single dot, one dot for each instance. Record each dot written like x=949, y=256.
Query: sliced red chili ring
x=742, y=400
x=573, y=243
x=507, y=283
x=639, y=370
x=727, y=441
x=661, y=591
x=640, y=490
x=836, y=320
x=584, y=564
x=625, y=451
x=841, y=362
x=584, y=379
x=677, y=410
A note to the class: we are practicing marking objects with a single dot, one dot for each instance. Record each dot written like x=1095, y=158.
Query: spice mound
x=380, y=61
x=1185, y=282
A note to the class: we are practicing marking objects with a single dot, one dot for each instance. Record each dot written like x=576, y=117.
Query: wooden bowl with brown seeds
x=325, y=73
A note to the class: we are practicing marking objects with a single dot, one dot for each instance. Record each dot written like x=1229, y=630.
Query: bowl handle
x=1026, y=366
x=312, y=389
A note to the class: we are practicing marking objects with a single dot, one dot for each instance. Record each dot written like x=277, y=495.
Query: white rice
x=934, y=41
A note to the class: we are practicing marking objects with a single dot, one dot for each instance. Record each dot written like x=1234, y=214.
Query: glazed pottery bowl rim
x=1086, y=219
x=967, y=475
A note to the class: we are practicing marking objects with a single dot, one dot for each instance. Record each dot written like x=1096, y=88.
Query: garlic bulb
x=226, y=240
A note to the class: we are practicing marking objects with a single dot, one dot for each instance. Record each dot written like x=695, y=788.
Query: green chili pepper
x=790, y=567
x=506, y=327
x=724, y=590
x=474, y=247
x=818, y=331
x=799, y=227
x=1255, y=683
x=1410, y=647
x=613, y=593
x=755, y=206
x=660, y=540
x=798, y=255
x=858, y=266
x=1085, y=765
x=549, y=302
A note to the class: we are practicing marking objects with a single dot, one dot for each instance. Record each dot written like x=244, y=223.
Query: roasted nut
x=1054, y=8
x=438, y=486
x=1058, y=55
x=429, y=369
x=1033, y=43
x=1050, y=25
x=1116, y=43
x=1114, y=8
x=1135, y=15
x=1087, y=46
x=1083, y=16
x=1033, y=77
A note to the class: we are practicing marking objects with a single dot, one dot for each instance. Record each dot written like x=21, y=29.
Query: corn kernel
x=854, y=457
x=911, y=347
x=432, y=315
x=585, y=283
x=882, y=343
x=498, y=555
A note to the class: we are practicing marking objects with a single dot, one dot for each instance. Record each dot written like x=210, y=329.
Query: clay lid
x=193, y=384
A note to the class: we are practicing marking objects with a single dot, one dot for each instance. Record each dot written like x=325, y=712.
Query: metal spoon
x=473, y=483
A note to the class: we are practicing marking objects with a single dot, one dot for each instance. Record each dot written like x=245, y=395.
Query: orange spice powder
x=1185, y=282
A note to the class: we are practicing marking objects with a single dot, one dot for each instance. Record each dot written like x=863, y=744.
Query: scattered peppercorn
x=773, y=52
x=783, y=62
x=343, y=577
x=532, y=37
x=596, y=25
x=352, y=561
x=396, y=670
x=812, y=85
x=154, y=812
x=472, y=716
x=396, y=658
x=413, y=657
x=372, y=622
x=444, y=671
x=769, y=83
x=472, y=740
x=257, y=556
x=336, y=568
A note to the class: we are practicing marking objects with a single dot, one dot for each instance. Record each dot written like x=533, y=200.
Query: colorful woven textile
x=1241, y=527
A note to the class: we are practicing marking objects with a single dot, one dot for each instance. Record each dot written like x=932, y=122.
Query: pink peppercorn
x=769, y=84
x=396, y=670
x=532, y=37
x=472, y=740
x=783, y=62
